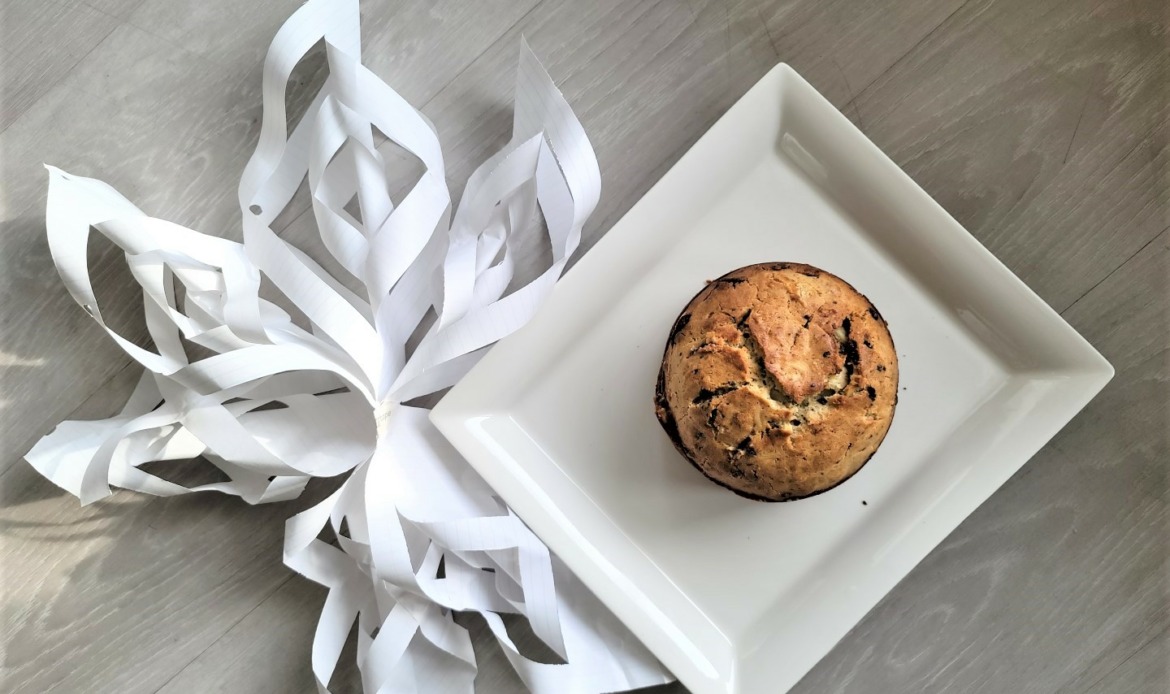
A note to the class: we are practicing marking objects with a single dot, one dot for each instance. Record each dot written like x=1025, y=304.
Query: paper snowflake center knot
x=382, y=416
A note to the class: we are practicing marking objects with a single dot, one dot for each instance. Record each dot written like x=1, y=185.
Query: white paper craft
x=418, y=533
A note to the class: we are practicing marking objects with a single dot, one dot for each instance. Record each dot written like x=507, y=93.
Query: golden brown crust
x=779, y=381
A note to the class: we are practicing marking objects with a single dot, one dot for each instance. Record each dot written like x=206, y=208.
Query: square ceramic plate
x=736, y=595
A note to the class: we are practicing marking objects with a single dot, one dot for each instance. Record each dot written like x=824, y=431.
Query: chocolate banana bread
x=779, y=381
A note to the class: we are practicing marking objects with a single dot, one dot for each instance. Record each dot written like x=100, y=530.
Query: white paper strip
x=417, y=534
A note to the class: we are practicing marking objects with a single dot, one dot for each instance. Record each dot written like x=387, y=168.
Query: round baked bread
x=779, y=381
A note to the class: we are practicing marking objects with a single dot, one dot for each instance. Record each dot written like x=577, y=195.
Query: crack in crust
x=705, y=395
x=748, y=342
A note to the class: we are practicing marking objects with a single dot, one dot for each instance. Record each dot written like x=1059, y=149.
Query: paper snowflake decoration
x=282, y=399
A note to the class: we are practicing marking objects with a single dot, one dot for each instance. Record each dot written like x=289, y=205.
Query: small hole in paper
x=255, y=209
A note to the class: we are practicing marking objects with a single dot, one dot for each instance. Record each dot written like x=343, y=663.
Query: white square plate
x=736, y=595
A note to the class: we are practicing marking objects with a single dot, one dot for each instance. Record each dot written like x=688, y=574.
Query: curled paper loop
x=416, y=505
x=277, y=400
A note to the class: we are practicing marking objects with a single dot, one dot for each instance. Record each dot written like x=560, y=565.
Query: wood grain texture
x=119, y=9
x=995, y=131
x=1144, y=671
x=254, y=655
x=1042, y=126
x=30, y=65
x=842, y=46
x=140, y=585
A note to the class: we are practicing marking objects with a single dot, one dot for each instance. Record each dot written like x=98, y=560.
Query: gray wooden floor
x=1041, y=125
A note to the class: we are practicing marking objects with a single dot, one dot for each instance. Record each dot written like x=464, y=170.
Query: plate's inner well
x=625, y=463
